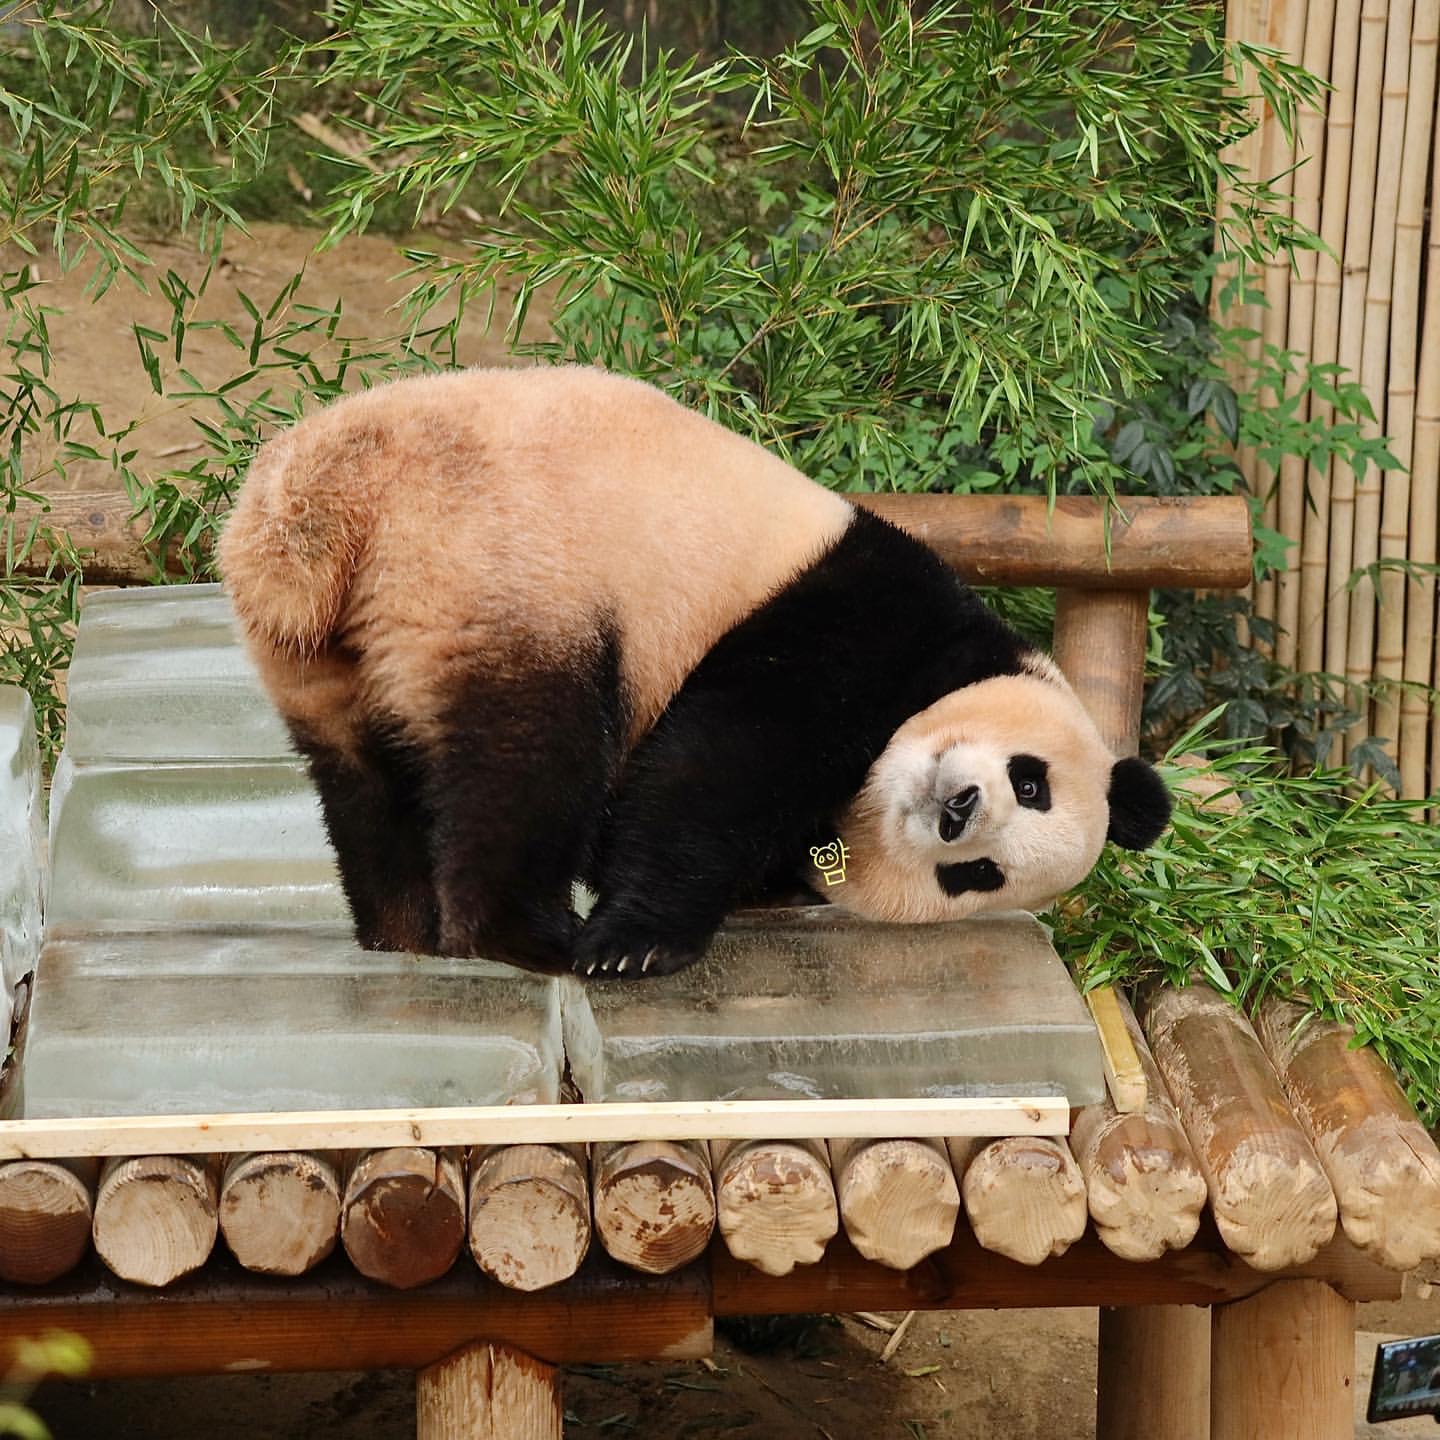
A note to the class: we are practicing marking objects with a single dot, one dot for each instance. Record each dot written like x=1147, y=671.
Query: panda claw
x=649, y=956
x=623, y=965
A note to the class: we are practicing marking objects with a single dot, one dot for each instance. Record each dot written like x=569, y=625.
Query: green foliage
x=1309, y=888
x=57, y=1353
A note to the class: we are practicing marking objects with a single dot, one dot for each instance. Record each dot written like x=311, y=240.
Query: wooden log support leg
x=488, y=1392
x=774, y=1201
x=529, y=1213
x=46, y=1208
x=156, y=1216
x=280, y=1210
x=654, y=1202
x=1153, y=1373
x=1282, y=1365
x=898, y=1198
x=403, y=1221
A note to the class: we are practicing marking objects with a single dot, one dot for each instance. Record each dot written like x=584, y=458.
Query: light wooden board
x=1123, y=1072
x=532, y=1124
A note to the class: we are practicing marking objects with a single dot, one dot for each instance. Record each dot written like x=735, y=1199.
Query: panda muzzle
x=957, y=812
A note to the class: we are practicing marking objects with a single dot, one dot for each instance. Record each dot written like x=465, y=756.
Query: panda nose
x=955, y=812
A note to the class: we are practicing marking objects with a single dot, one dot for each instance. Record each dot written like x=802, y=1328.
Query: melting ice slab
x=815, y=1005
x=22, y=838
x=172, y=1021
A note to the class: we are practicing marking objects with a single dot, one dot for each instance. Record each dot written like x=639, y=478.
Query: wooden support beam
x=774, y=1201
x=1282, y=1365
x=403, y=1218
x=898, y=1198
x=224, y=1319
x=156, y=1216
x=488, y=1392
x=46, y=1209
x=1197, y=542
x=1381, y=1161
x=654, y=1202
x=1024, y=1196
x=1268, y=1192
x=1153, y=1373
x=1100, y=645
x=529, y=1213
x=280, y=1210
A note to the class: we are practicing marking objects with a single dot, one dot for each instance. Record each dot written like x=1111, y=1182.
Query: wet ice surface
x=224, y=1019
x=810, y=1004
x=22, y=840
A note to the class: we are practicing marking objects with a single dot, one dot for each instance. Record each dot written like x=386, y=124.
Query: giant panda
x=536, y=626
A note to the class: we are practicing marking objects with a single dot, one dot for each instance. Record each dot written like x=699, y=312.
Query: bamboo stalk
x=1325, y=338
x=1375, y=351
x=1285, y=32
x=1370, y=77
x=1400, y=411
x=1422, y=664
x=1309, y=175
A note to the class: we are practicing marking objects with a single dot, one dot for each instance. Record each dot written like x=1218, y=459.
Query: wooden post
x=898, y=1198
x=1142, y=1180
x=156, y=1216
x=280, y=1210
x=529, y=1213
x=46, y=1208
x=1024, y=1196
x=774, y=1201
x=1153, y=1373
x=1282, y=1365
x=1100, y=645
x=488, y=1392
x=654, y=1202
x=403, y=1219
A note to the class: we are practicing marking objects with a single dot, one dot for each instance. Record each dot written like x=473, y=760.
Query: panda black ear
x=1139, y=804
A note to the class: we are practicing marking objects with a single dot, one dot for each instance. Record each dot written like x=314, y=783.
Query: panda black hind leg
x=517, y=779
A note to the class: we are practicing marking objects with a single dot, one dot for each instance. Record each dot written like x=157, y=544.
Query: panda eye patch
x=1029, y=779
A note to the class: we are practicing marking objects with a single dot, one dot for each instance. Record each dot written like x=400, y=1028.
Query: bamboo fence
x=1361, y=174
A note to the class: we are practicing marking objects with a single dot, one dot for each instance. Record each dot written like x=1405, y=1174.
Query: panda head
x=1000, y=796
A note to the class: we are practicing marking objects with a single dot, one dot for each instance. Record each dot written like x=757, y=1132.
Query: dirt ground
x=1008, y=1374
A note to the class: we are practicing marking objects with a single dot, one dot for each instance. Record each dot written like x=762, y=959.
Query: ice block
x=811, y=1004
x=167, y=1020
x=207, y=842
x=159, y=674
x=22, y=842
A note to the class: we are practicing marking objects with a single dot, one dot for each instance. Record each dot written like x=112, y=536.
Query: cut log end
x=1024, y=1196
x=654, y=1203
x=529, y=1214
x=1145, y=1195
x=156, y=1217
x=775, y=1203
x=45, y=1215
x=280, y=1210
x=403, y=1220
x=898, y=1198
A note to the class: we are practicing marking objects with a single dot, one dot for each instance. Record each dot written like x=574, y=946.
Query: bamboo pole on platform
x=1375, y=352
x=1422, y=655
x=1369, y=81
x=1285, y=32
x=1395, y=592
x=1325, y=330
x=1308, y=180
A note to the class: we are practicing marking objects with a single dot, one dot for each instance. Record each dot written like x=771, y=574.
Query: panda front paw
x=610, y=950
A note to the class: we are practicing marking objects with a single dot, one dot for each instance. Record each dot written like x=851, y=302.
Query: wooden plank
x=531, y=1124
x=964, y=1276
x=225, y=1321
x=1201, y=542
x=1124, y=1075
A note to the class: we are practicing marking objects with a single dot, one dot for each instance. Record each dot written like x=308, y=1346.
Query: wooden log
x=1381, y=1161
x=1271, y=1200
x=488, y=1392
x=898, y=1198
x=774, y=1201
x=156, y=1216
x=1143, y=1183
x=1315, y=581
x=1153, y=1373
x=1100, y=645
x=46, y=1209
x=529, y=1213
x=403, y=1218
x=280, y=1210
x=1282, y=1365
x=654, y=1202
x=1024, y=1196
x=1201, y=542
